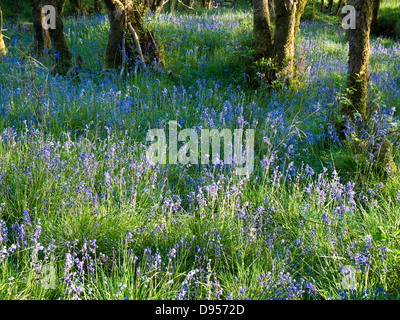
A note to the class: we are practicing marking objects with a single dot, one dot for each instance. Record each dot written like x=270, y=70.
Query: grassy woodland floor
x=77, y=194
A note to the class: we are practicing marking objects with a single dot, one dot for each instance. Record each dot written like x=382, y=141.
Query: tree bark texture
x=285, y=32
x=359, y=50
x=271, y=7
x=262, y=30
x=301, y=4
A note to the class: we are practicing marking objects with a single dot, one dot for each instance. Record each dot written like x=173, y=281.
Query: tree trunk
x=338, y=7
x=375, y=16
x=172, y=5
x=358, y=61
x=301, y=4
x=358, y=77
x=330, y=5
x=206, y=4
x=284, y=33
x=322, y=6
x=116, y=15
x=3, y=49
x=271, y=7
x=62, y=54
x=157, y=6
x=281, y=48
x=76, y=7
x=97, y=6
x=41, y=36
x=262, y=30
x=134, y=13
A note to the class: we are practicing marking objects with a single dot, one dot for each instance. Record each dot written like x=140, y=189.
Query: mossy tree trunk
x=264, y=47
x=359, y=50
x=206, y=4
x=285, y=33
x=76, y=7
x=121, y=14
x=355, y=110
x=301, y=5
x=3, y=49
x=281, y=47
x=41, y=37
x=271, y=8
x=62, y=54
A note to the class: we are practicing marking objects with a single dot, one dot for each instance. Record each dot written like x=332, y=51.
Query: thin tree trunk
x=322, y=6
x=62, y=54
x=3, y=49
x=157, y=6
x=330, y=5
x=41, y=36
x=206, y=4
x=173, y=4
x=301, y=4
x=339, y=6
